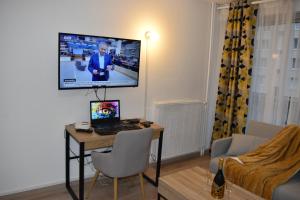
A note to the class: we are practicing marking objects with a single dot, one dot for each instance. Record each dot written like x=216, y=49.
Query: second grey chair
x=129, y=156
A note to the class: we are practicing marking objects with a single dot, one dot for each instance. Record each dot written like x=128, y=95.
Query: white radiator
x=185, y=124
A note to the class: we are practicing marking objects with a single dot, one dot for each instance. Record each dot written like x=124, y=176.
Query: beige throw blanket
x=270, y=165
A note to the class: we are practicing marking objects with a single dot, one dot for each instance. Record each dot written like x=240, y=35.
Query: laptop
x=104, y=113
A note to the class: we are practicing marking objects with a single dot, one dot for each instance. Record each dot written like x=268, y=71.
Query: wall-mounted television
x=87, y=61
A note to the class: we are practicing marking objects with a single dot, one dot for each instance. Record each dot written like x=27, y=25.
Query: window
x=293, y=62
x=264, y=62
x=276, y=68
x=295, y=43
x=265, y=44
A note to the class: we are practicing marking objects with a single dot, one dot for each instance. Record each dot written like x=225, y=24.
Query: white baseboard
x=40, y=186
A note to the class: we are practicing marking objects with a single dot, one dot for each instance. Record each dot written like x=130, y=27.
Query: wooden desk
x=191, y=184
x=90, y=141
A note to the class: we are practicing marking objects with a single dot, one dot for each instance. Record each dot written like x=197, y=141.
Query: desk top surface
x=94, y=140
x=191, y=184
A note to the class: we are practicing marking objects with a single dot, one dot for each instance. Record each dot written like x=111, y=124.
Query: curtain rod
x=226, y=6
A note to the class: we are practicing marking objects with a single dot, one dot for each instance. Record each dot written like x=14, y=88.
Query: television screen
x=87, y=61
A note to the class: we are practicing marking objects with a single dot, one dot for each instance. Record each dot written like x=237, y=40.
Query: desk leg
x=81, y=171
x=158, y=158
x=67, y=159
x=158, y=163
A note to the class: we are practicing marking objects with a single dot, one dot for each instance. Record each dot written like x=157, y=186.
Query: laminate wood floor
x=129, y=188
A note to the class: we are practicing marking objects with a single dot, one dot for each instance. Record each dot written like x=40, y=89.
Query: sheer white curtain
x=275, y=87
x=218, y=35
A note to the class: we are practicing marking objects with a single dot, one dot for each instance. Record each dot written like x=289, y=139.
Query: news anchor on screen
x=100, y=63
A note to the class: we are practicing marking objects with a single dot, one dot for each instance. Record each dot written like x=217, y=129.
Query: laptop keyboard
x=115, y=128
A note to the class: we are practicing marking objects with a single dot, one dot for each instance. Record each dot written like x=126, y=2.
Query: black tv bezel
x=98, y=86
x=99, y=121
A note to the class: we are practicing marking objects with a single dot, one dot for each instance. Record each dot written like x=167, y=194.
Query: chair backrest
x=262, y=129
x=131, y=151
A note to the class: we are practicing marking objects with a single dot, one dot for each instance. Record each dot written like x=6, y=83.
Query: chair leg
x=115, y=188
x=142, y=185
x=92, y=184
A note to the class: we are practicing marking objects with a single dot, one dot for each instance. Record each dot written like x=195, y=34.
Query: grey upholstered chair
x=129, y=156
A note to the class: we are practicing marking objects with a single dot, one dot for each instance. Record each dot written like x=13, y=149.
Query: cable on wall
x=104, y=96
x=96, y=93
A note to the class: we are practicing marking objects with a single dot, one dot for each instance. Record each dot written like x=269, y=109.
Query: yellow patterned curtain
x=236, y=69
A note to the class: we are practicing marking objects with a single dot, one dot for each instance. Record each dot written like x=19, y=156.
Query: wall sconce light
x=150, y=35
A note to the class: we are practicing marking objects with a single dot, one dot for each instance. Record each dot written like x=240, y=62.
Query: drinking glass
x=209, y=180
x=228, y=189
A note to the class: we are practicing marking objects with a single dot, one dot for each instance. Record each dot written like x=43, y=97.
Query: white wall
x=33, y=111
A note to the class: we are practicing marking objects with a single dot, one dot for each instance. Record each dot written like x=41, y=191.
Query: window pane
x=295, y=43
x=294, y=63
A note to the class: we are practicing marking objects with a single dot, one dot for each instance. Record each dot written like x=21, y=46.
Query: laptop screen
x=104, y=111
